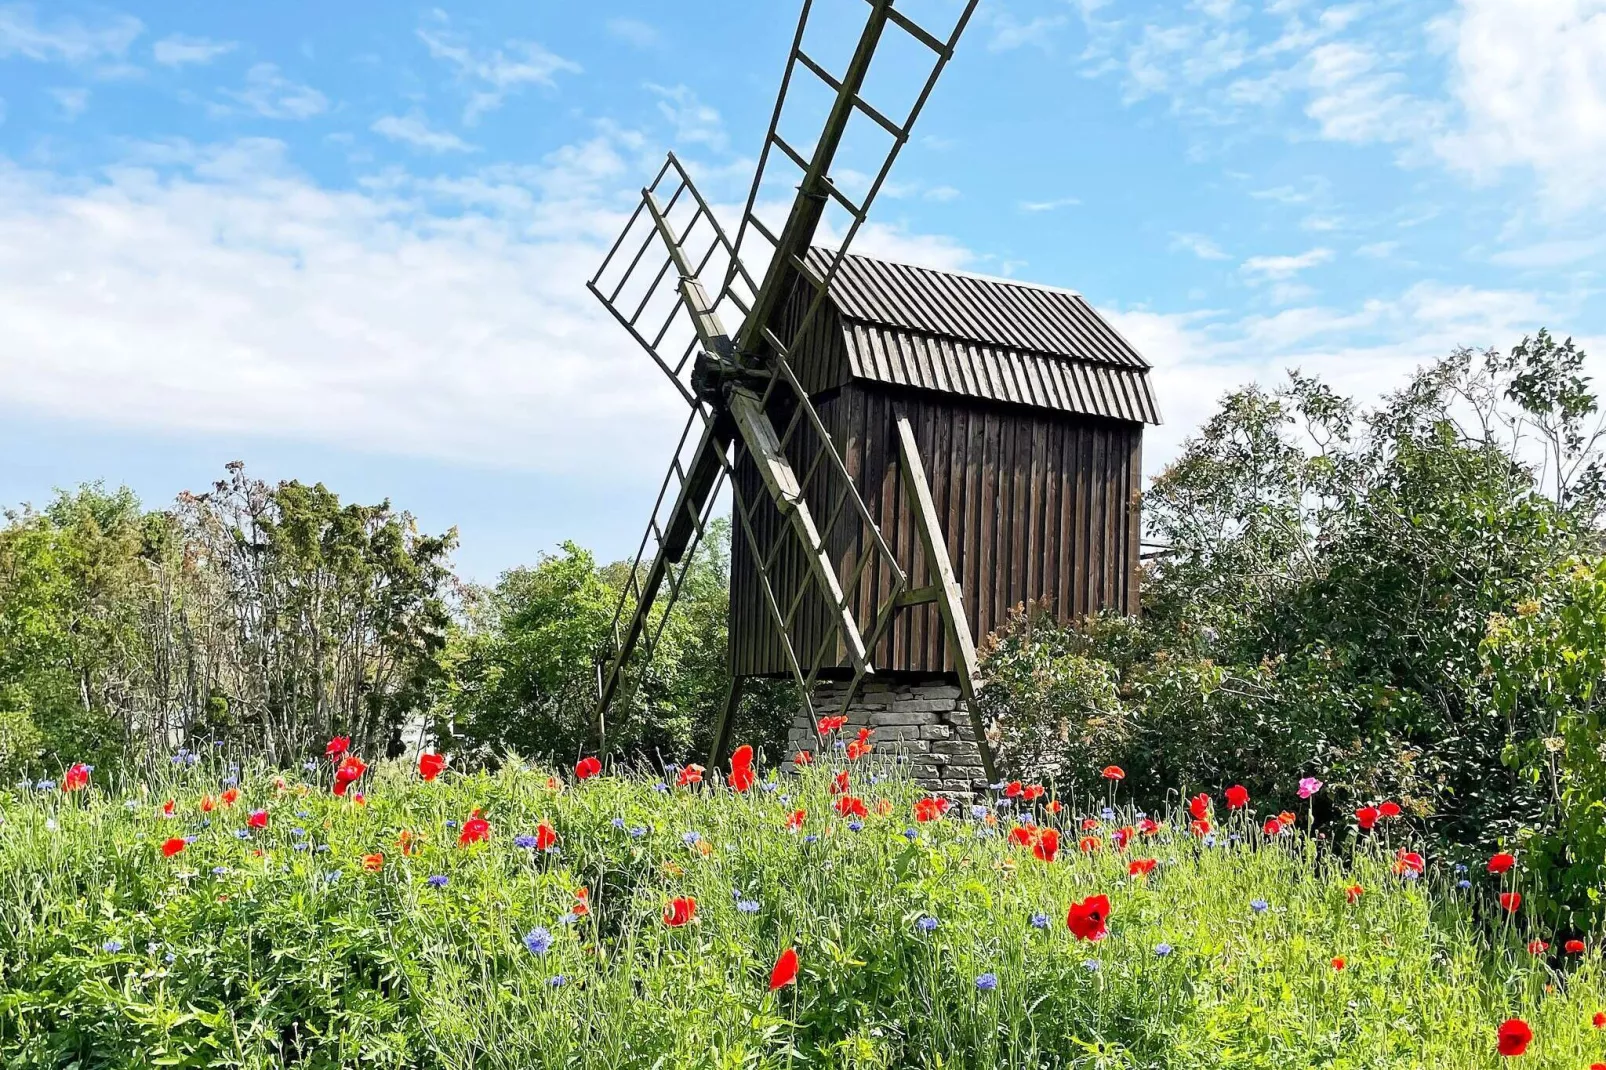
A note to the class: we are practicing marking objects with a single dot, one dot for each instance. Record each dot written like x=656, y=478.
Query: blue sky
x=352, y=246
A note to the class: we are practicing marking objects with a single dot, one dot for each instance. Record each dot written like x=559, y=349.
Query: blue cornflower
x=1463, y=884
x=231, y=782
x=661, y=788
x=1210, y=839
x=191, y=839
x=978, y=812
x=451, y=824
x=46, y=785
x=1162, y=950
x=1459, y=868
x=298, y=846
x=987, y=982
x=841, y=745
x=911, y=835
x=242, y=834
x=769, y=787
x=855, y=826
x=811, y=838
x=538, y=941
x=926, y=923
x=310, y=765
x=1091, y=965
x=179, y=756
x=524, y=842
x=747, y=906
x=321, y=848
x=170, y=958
x=1410, y=874
x=1107, y=814
x=437, y=881
x=220, y=871
x=1039, y=921
x=1004, y=804
x=618, y=822
x=569, y=918
x=303, y=814
x=1259, y=906
x=112, y=946
x=298, y=832
x=689, y=838
x=332, y=876
x=1139, y=814
x=638, y=831
x=557, y=980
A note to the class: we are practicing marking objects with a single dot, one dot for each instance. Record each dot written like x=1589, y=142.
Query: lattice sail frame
x=663, y=294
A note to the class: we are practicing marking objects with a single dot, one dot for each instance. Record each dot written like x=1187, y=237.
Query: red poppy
x=431, y=766
x=1122, y=836
x=1089, y=824
x=691, y=774
x=1389, y=809
x=1199, y=827
x=1053, y=806
x=680, y=910
x=337, y=746
x=785, y=971
x=884, y=806
x=173, y=846
x=1501, y=863
x=857, y=750
x=373, y=863
x=742, y=776
x=1021, y=835
x=1599, y=1020
x=405, y=841
x=1013, y=789
x=207, y=804
x=1367, y=816
x=1113, y=772
x=1047, y=846
x=1088, y=844
x=1033, y=792
x=803, y=757
x=545, y=837
x=1141, y=867
x=1148, y=826
x=475, y=829
x=1237, y=797
x=230, y=796
x=1272, y=826
x=851, y=806
x=1537, y=947
x=794, y=821
x=258, y=819
x=1287, y=819
x=1199, y=806
x=831, y=724
x=1338, y=962
x=1597, y=1066
x=1087, y=919
x=349, y=771
x=864, y=735
x=167, y=808
x=1354, y=892
x=1408, y=862
x=930, y=808
x=77, y=777
x=586, y=768
x=1510, y=901
x=839, y=783
x=1514, y=1036
x=1573, y=947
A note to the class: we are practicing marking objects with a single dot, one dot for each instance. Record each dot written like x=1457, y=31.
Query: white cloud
x=223, y=291
x=695, y=123
x=415, y=131
x=1049, y=206
x=941, y=194
x=64, y=40
x=493, y=74
x=72, y=102
x=1262, y=268
x=271, y=95
x=1199, y=246
x=633, y=32
x=1010, y=33
x=1381, y=250
x=1531, y=82
x=1355, y=98
x=179, y=49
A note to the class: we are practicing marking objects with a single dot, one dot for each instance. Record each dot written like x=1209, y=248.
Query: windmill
x=750, y=332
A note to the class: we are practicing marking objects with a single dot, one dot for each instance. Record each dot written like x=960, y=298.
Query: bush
x=298, y=944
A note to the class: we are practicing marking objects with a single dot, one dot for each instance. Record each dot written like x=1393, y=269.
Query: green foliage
x=1327, y=581
x=254, y=953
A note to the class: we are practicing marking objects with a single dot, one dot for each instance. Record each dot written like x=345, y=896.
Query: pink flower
x=1309, y=786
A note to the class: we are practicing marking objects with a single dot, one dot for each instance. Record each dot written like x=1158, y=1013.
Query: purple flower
x=987, y=982
x=112, y=946
x=525, y=842
x=538, y=941
x=926, y=924
x=1309, y=786
x=747, y=906
x=1039, y=921
x=437, y=881
x=557, y=980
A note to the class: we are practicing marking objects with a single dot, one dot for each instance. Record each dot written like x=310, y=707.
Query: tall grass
x=274, y=947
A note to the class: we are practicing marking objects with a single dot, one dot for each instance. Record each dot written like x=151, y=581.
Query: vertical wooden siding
x=1035, y=504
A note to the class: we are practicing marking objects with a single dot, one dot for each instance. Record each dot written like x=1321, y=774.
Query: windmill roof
x=993, y=338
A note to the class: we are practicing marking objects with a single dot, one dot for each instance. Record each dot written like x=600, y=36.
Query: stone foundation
x=923, y=725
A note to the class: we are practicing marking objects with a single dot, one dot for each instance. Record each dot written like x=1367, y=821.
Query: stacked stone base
x=922, y=725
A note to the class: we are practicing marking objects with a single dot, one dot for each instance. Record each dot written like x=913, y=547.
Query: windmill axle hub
x=712, y=376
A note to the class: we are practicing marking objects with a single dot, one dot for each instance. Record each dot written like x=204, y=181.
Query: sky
x=349, y=242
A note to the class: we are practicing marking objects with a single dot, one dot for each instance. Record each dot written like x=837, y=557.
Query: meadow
x=210, y=915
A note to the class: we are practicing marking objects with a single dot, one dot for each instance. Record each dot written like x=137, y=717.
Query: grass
x=272, y=948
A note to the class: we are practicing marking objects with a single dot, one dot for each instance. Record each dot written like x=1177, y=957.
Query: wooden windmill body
x=909, y=452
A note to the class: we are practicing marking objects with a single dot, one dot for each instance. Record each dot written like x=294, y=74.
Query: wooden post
x=949, y=602
x=722, y=727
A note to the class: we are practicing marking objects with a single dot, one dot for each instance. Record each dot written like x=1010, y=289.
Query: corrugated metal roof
x=904, y=358
x=988, y=338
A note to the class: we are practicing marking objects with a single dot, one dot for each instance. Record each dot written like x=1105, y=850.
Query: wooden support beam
x=722, y=727
x=758, y=433
x=949, y=603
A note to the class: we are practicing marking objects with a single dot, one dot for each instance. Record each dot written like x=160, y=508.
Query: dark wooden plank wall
x=1034, y=504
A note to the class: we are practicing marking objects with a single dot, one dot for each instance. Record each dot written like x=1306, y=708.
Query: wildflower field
x=412, y=916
